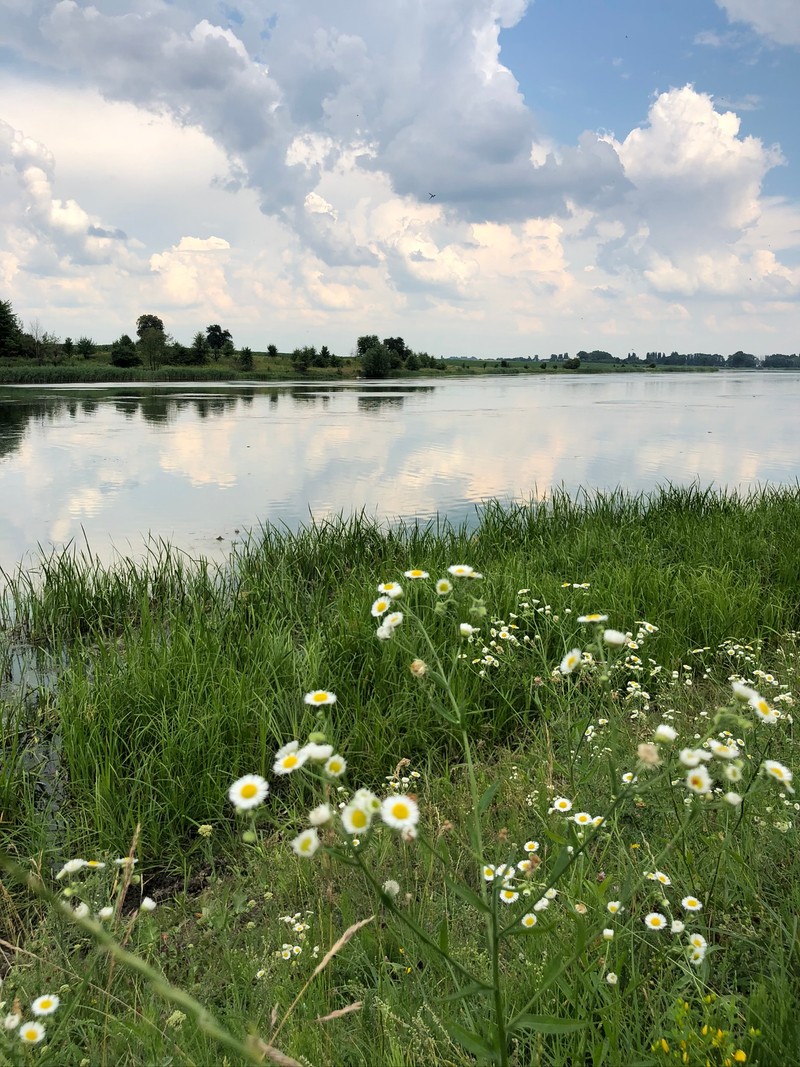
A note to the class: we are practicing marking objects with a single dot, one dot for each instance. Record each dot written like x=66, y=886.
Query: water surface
x=194, y=463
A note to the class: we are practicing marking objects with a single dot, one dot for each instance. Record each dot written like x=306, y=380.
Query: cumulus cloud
x=778, y=20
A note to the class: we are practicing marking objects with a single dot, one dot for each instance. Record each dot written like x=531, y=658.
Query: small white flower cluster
x=400, y=783
x=399, y=811
x=31, y=1032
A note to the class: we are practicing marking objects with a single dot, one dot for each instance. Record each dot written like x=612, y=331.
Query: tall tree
x=217, y=339
x=148, y=322
x=10, y=330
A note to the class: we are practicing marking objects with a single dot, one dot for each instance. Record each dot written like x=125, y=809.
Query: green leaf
x=472, y=989
x=467, y=895
x=444, y=939
x=487, y=797
x=471, y=1041
x=546, y=1024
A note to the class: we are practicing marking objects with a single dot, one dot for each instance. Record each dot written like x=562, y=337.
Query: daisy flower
x=611, y=978
x=733, y=798
x=698, y=941
x=489, y=873
x=614, y=907
x=721, y=750
x=582, y=818
x=677, y=927
x=128, y=861
x=306, y=844
x=655, y=921
x=401, y=812
x=391, y=589
x=698, y=780
x=743, y=692
x=320, y=815
x=393, y=620
x=615, y=638
x=692, y=757
x=665, y=733
x=380, y=606
x=551, y=894
x=541, y=904
x=355, y=819
x=629, y=778
x=45, y=1005
x=336, y=766
x=560, y=804
x=95, y=865
x=696, y=956
x=531, y=846
x=658, y=876
x=762, y=709
x=733, y=772
x=593, y=617
x=106, y=912
x=31, y=1033
x=70, y=867
x=320, y=696
x=570, y=661
x=384, y=633
x=779, y=773
x=147, y=904
x=289, y=758
x=466, y=630
x=81, y=911
x=608, y=934
x=460, y=570
x=529, y=920
x=691, y=904
x=317, y=753
x=509, y=896
x=248, y=792
x=525, y=866
x=444, y=586
x=415, y=573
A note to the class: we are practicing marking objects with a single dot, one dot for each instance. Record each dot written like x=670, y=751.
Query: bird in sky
x=431, y=196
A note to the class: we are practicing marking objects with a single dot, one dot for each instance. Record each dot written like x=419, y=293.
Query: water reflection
x=192, y=463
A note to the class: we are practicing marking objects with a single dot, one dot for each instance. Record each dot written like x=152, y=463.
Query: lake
x=194, y=463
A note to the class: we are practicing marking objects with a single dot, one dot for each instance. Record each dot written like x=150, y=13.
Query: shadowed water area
x=195, y=463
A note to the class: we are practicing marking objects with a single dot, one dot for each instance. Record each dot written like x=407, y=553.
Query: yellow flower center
x=30, y=1034
x=334, y=767
x=249, y=791
x=401, y=810
x=46, y=1004
x=289, y=761
x=359, y=819
x=319, y=698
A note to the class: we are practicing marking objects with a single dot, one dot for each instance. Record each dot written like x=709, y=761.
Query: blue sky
x=615, y=175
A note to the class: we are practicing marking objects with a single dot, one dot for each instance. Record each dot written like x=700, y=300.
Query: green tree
x=217, y=338
x=68, y=347
x=376, y=362
x=85, y=347
x=369, y=340
x=123, y=352
x=741, y=359
x=199, y=348
x=148, y=322
x=152, y=348
x=272, y=350
x=10, y=330
x=246, y=359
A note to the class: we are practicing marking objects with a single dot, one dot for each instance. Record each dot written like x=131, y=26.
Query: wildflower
x=391, y=888
x=489, y=873
x=391, y=589
x=81, y=911
x=320, y=696
x=665, y=733
x=593, y=617
x=531, y=846
x=401, y=812
x=581, y=909
x=696, y=956
x=45, y=1005
x=615, y=906
x=629, y=778
x=31, y=1033
x=380, y=606
x=677, y=927
x=366, y=799
x=541, y=904
x=529, y=920
x=418, y=668
x=316, y=752
x=721, y=750
x=582, y=818
x=289, y=758
x=691, y=757
x=384, y=633
x=95, y=865
x=762, y=708
x=394, y=620
x=444, y=586
x=355, y=819
x=560, y=804
x=615, y=638
x=691, y=904
x=570, y=661
x=698, y=941
x=336, y=766
x=743, y=692
x=648, y=754
x=415, y=573
x=147, y=904
x=551, y=894
x=70, y=867
x=205, y=830
x=658, y=876
x=526, y=865
x=608, y=934
x=698, y=780
x=509, y=896
x=306, y=844
x=12, y=1020
x=611, y=978
x=460, y=570
x=655, y=921
x=105, y=913
x=129, y=861
x=779, y=772
x=733, y=772
x=734, y=799
x=320, y=815
x=740, y=1055
x=466, y=630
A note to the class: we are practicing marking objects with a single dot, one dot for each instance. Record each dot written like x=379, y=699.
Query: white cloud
x=779, y=20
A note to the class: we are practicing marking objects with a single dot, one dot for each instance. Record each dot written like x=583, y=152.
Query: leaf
x=546, y=1024
x=471, y=1041
x=473, y=989
x=444, y=939
x=467, y=895
x=487, y=797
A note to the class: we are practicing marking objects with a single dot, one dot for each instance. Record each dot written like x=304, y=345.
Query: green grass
x=151, y=686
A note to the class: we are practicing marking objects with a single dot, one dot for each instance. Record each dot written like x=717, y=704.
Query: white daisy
x=509, y=896
x=45, y=1005
x=380, y=606
x=570, y=661
x=655, y=921
x=444, y=586
x=401, y=812
x=70, y=867
x=529, y=920
x=355, y=819
x=289, y=758
x=615, y=907
x=307, y=843
x=31, y=1033
x=615, y=638
x=593, y=616
x=336, y=766
x=391, y=589
x=699, y=780
x=665, y=733
x=560, y=804
x=677, y=927
x=320, y=815
x=779, y=772
x=415, y=573
x=320, y=696
x=460, y=570
x=691, y=904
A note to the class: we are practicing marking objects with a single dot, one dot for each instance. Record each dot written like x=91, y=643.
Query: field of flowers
x=515, y=795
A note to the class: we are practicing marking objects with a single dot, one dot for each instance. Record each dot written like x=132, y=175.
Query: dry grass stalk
x=356, y=1006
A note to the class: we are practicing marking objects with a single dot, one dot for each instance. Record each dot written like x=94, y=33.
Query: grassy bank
x=148, y=688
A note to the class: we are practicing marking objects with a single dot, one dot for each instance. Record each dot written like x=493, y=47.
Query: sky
x=614, y=174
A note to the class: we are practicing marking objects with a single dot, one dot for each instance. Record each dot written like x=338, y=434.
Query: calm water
x=194, y=463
